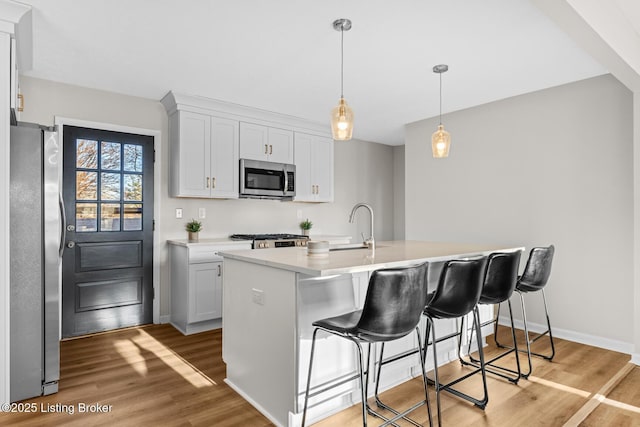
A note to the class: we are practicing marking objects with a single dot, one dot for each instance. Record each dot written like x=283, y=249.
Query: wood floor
x=155, y=376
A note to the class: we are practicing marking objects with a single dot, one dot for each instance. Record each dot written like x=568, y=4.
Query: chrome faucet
x=370, y=242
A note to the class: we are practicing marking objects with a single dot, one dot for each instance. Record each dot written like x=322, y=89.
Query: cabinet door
x=205, y=291
x=305, y=192
x=191, y=152
x=322, y=169
x=280, y=143
x=224, y=158
x=314, y=168
x=254, y=141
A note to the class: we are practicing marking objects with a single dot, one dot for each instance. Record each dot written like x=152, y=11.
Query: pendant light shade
x=441, y=139
x=342, y=121
x=342, y=114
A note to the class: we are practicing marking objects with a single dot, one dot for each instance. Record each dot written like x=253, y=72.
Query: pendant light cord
x=342, y=61
x=440, y=98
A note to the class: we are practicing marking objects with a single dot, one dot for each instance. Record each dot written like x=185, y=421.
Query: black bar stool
x=392, y=309
x=533, y=279
x=500, y=277
x=456, y=295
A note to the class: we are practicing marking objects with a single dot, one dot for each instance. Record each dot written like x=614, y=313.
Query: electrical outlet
x=202, y=213
x=178, y=213
x=257, y=296
x=299, y=213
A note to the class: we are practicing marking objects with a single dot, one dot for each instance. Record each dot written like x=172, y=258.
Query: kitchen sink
x=351, y=246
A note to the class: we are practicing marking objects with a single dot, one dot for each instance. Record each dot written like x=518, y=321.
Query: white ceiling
x=284, y=55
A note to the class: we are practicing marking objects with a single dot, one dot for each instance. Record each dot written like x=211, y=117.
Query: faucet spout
x=370, y=241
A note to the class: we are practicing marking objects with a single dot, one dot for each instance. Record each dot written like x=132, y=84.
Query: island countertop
x=387, y=254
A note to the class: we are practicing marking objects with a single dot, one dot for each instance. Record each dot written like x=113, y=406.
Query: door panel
x=108, y=257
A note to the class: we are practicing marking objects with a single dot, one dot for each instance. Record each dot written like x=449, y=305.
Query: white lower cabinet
x=205, y=292
x=196, y=285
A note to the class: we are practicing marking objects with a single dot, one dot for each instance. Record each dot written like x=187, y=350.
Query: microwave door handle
x=286, y=180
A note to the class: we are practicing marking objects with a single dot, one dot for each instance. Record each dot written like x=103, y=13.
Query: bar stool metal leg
x=490, y=365
x=528, y=339
x=402, y=415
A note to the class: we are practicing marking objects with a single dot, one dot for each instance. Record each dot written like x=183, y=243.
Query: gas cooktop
x=266, y=241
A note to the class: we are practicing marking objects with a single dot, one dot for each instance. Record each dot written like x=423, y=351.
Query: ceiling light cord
x=342, y=62
x=440, y=97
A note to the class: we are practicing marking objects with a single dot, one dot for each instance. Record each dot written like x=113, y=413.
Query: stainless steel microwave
x=267, y=180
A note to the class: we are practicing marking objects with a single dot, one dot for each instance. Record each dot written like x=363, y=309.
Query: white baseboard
x=253, y=403
x=579, y=337
x=635, y=359
x=165, y=319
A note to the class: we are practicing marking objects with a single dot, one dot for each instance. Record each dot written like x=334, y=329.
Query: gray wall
x=398, y=192
x=363, y=173
x=554, y=166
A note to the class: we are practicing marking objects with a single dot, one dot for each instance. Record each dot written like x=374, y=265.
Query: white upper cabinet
x=204, y=155
x=258, y=142
x=314, y=168
x=208, y=137
x=224, y=158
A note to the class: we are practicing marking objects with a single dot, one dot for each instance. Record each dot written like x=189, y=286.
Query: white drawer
x=200, y=254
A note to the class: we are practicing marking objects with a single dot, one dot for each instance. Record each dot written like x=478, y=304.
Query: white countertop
x=388, y=254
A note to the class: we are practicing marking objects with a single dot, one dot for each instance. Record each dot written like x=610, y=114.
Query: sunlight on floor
x=558, y=386
x=616, y=404
x=131, y=351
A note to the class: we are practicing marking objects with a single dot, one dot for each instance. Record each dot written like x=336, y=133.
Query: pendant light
x=342, y=114
x=440, y=140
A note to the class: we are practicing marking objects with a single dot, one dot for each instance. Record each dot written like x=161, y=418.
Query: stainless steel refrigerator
x=36, y=231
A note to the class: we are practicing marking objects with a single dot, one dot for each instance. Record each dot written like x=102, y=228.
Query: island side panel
x=258, y=339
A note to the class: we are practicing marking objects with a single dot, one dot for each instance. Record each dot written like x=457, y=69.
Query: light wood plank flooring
x=155, y=376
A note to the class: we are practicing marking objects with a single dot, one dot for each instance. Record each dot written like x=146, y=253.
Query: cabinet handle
x=317, y=189
x=219, y=270
x=214, y=182
x=266, y=149
x=207, y=182
x=270, y=149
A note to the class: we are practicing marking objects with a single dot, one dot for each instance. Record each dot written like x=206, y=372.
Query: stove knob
x=261, y=245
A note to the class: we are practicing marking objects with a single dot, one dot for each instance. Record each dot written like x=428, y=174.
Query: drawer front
x=201, y=254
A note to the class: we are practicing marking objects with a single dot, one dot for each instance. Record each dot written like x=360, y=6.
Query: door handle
x=270, y=149
x=214, y=182
x=266, y=147
x=208, y=182
x=219, y=270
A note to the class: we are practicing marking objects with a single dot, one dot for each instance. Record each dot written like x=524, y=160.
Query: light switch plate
x=178, y=213
x=202, y=213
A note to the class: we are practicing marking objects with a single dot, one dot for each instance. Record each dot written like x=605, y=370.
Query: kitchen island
x=270, y=299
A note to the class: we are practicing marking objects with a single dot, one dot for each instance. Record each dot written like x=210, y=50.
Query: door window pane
x=132, y=216
x=110, y=217
x=110, y=186
x=86, y=217
x=132, y=187
x=86, y=185
x=110, y=152
x=132, y=158
x=86, y=154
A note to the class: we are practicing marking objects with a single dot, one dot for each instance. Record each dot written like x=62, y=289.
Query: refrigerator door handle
x=63, y=225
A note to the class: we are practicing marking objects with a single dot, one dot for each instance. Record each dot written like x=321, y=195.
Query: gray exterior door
x=107, y=265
